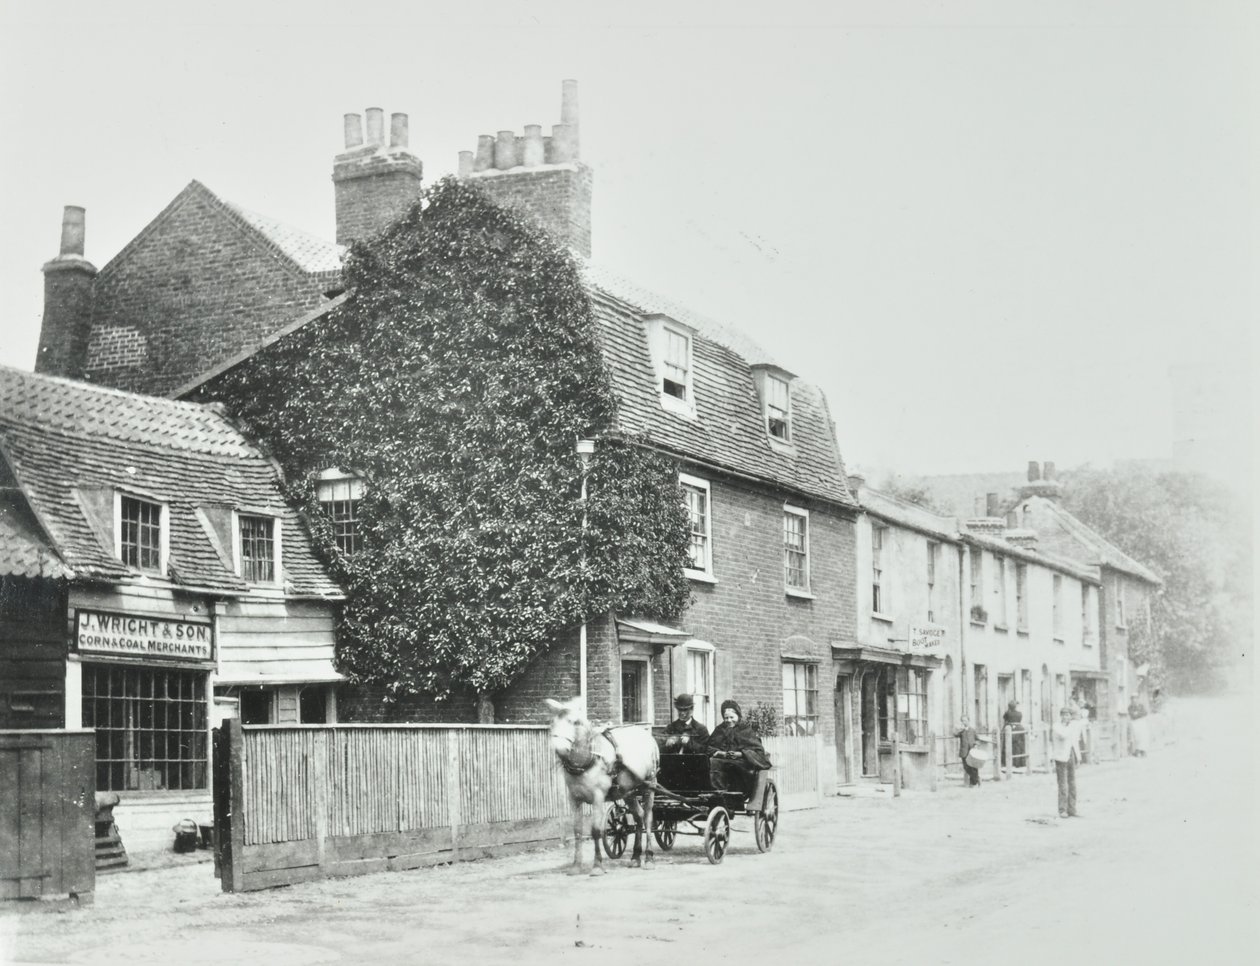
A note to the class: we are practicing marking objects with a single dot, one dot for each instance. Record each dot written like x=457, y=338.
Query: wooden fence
x=300, y=802
x=47, y=814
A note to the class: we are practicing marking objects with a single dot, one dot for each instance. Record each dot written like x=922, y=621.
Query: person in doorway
x=1138, y=727
x=736, y=753
x=685, y=735
x=966, y=736
x=1063, y=738
x=1013, y=721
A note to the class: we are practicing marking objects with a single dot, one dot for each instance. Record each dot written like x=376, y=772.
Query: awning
x=259, y=673
x=855, y=653
x=649, y=632
x=1092, y=673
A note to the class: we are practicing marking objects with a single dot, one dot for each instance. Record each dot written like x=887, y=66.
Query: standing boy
x=1063, y=738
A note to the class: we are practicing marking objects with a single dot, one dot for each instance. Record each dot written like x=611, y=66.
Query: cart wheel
x=665, y=832
x=616, y=829
x=767, y=821
x=717, y=833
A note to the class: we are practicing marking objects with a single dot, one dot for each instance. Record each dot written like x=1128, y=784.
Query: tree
x=920, y=494
x=1196, y=535
x=456, y=379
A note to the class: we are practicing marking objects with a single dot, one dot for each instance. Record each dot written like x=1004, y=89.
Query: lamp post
x=585, y=450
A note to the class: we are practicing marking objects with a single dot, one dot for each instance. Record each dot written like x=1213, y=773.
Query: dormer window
x=774, y=389
x=141, y=533
x=339, y=494
x=676, y=380
x=258, y=548
x=671, y=344
x=778, y=405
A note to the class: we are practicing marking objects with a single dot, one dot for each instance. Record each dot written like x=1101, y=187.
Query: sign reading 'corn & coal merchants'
x=146, y=637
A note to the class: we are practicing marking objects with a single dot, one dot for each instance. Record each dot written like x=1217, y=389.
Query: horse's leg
x=578, y=835
x=636, y=806
x=597, y=830
x=649, y=804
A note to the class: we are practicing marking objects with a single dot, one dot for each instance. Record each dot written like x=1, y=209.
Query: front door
x=844, y=728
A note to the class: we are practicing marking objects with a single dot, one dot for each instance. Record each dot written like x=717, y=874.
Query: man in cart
x=685, y=735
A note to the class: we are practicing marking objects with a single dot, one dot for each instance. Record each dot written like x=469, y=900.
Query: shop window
x=796, y=549
x=151, y=727
x=313, y=705
x=800, y=698
x=141, y=539
x=699, y=549
x=912, y=706
x=340, y=495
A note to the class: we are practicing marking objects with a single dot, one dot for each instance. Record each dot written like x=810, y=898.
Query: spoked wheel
x=665, y=833
x=717, y=834
x=617, y=828
x=766, y=822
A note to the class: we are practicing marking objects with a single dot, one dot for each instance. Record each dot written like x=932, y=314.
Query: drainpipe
x=585, y=450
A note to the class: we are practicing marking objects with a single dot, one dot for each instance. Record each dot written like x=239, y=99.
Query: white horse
x=605, y=765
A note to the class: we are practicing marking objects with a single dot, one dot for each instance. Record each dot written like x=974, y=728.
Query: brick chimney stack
x=539, y=175
x=374, y=182
x=63, y=334
x=1041, y=482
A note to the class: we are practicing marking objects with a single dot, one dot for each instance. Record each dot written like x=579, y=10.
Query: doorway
x=869, y=715
x=844, y=727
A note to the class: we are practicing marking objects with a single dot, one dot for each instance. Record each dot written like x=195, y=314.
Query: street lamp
x=585, y=450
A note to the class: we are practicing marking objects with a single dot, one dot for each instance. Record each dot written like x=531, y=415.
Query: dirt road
x=1160, y=868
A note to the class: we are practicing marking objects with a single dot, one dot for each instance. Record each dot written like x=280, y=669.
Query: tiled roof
x=1101, y=549
x=71, y=444
x=898, y=511
x=728, y=431
x=309, y=252
x=1034, y=554
x=24, y=552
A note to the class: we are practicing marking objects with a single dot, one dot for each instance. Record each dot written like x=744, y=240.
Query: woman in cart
x=736, y=753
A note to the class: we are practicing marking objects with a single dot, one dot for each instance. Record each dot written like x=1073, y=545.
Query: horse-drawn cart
x=687, y=803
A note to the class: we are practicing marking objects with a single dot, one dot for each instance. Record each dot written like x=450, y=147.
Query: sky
x=989, y=231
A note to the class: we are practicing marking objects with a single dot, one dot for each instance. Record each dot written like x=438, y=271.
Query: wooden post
x=454, y=812
x=896, y=754
x=932, y=761
x=997, y=762
x=1008, y=751
x=229, y=794
x=324, y=742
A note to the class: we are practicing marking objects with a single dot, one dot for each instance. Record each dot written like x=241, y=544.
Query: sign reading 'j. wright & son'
x=150, y=637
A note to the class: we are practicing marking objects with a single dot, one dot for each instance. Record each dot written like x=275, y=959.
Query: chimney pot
x=73, y=227
x=991, y=505
x=562, y=143
x=465, y=163
x=505, y=150
x=354, y=130
x=398, y=133
x=1048, y=471
x=569, y=114
x=1034, y=471
x=484, y=159
x=533, y=151
x=375, y=127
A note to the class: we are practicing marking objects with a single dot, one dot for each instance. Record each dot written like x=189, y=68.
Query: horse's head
x=568, y=725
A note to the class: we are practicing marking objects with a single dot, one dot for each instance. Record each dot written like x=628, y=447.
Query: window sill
x=700, y=576
x=672, y=404
x=1001, y=627
x=799, y=594
x=1122, y=627
x=1022, y=631
x=976, y=623
x=1059, y=640
x=877, y=616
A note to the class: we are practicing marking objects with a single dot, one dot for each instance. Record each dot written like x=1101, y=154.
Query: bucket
x=981, y=753
x=185, y=835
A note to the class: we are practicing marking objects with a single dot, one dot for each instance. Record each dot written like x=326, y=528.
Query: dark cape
x=740, y=738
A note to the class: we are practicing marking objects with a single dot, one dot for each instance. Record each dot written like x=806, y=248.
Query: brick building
x=772, y=517
x=152, y=581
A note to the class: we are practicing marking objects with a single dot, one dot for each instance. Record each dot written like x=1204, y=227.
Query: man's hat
x=684, y=701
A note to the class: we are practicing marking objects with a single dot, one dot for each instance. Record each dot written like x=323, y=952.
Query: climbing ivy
x=456, y=380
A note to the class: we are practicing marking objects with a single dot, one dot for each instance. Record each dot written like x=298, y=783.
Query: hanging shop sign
x=127, y=635
x=926, y=639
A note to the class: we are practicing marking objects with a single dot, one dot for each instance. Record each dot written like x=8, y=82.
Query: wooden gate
x=47, y=813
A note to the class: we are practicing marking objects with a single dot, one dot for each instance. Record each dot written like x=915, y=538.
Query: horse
x=605, y=765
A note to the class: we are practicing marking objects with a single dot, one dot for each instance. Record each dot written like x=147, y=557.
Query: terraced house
x=152, y=581
x=208, y=284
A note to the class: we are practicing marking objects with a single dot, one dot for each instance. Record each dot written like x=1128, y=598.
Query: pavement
x=1160, y=868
